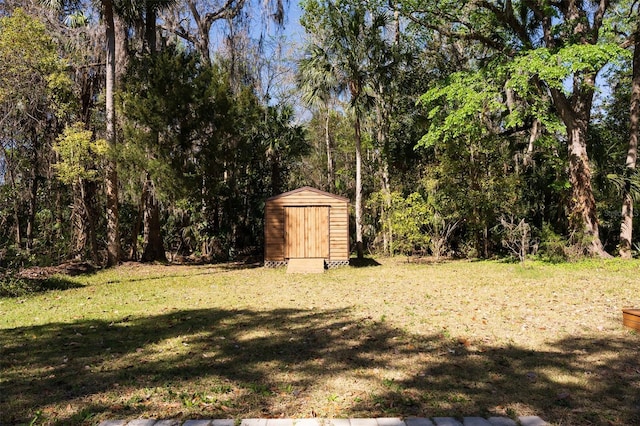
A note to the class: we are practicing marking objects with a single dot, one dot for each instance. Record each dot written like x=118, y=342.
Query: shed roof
x=308, y=188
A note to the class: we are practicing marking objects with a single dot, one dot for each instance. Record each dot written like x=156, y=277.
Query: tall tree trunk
x=150, y=28
x=111, y=184
x=133, y=252
x=359, y=242
x=90, y=197
x=583, y=217
x=626, y=226
x=122, y=53
x=575, y=114
x=331, y=179
x=78, y=221
x=153, y=244
x=31, y=213
x=382, y=117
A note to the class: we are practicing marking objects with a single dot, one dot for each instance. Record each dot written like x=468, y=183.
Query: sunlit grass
x=456, y=338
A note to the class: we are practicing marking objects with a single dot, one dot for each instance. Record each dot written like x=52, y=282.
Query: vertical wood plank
x=307, y=232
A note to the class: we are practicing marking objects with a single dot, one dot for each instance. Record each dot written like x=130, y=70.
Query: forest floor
x=397, y=339
x=67, y=268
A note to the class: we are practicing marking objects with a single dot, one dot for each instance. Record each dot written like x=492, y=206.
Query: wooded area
x=156, y=130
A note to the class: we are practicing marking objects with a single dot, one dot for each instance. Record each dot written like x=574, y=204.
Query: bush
x=12, y=286
x=516, y=237
x=552, y=245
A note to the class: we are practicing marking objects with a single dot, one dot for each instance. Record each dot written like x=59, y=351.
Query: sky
x=293, y=29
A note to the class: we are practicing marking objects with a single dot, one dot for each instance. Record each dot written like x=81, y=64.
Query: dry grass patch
x=452, y=339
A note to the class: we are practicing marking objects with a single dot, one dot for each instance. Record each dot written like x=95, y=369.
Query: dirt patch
x=67, y=268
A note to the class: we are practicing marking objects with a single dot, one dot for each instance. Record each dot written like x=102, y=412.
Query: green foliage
x=213, y=154
x=410, y=217
x=415, y=226
x=27, y=55
x=78, y=154
x=166, y=102
x=472, y=114
x=552, y=246
x=317, y=78
x=30, y=68
x=63, y=101
x=539, y=64
x=36, y=99
x=457, y=108
x=554, y=67
x=33, y=78
x=608, y=145
x=484, y=76
x=473, y=169
x=347, y=34
x=311, y=169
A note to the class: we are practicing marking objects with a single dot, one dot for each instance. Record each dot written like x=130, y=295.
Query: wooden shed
x=306, y=223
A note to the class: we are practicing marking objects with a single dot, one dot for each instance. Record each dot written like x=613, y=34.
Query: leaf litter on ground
x=446, y=339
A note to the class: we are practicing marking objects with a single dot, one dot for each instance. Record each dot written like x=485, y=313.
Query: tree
x=464, y=133
x=107, y=10
x=153, y=245
x=202, y=14
x=111, y=181
x=284, y=142
x=78, y=167
x=317, y=80
x=346, y=35
x=389, y=57
x=33, y=90
x=165, y=94
x=626, y=225
x=194, y=22
x=559, y=48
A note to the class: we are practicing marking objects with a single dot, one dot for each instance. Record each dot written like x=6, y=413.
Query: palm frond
x=76, y=19
x=629, y=183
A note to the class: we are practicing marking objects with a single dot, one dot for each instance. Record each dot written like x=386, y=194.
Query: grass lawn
x=451, y=339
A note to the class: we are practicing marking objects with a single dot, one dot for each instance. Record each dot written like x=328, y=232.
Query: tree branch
x=180, y=32
x=598, y=18
x=456, y=35
x=508, y=18
x=228, y=10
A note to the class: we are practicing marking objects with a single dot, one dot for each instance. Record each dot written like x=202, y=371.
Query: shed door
x=306, y=232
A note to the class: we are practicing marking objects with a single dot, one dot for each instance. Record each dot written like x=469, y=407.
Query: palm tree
x=347, y=33
x=111, y=178
x=111, y=181
x=626, y=225
x=318, y=82
x=109, y=11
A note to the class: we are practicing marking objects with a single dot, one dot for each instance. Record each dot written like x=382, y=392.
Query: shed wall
x=275, y=223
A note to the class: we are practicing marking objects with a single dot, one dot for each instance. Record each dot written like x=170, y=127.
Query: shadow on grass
x=40, y=279
x=243, y=363
x=172, y=270
x=240, y=265
x=12, y=286
x=363, y=263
